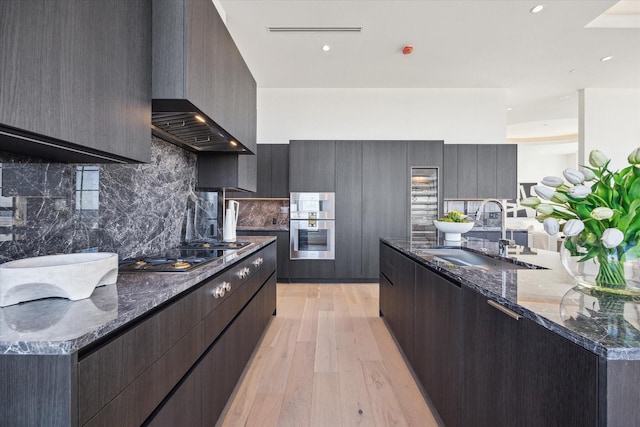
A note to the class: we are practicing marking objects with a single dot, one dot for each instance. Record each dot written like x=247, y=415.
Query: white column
x=609, y=120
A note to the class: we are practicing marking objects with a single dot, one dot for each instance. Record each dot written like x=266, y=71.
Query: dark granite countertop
x=60, y=326
x=536, y=294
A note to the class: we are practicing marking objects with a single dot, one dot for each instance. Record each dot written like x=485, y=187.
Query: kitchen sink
x=463, y=258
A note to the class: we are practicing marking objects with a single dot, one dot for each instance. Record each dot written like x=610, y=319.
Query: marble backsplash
x=131, y=209
x=258, y=213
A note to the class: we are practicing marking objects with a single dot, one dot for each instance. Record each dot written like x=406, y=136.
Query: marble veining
x=130, y=209
x=537, y=294
x=263, y=214
x=59, y=326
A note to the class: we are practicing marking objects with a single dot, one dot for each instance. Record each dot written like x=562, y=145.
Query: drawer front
x=105, y=373
x=136, y=403
x=217, y=320
x=235, y=277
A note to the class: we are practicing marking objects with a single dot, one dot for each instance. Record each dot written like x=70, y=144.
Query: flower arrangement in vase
x=598, y=210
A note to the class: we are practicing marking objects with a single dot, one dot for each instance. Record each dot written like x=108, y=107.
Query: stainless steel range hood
x=179, y=121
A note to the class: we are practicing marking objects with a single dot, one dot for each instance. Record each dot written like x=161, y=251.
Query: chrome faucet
x=503, y=243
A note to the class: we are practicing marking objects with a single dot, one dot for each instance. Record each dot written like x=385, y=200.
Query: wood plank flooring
x=327, y=359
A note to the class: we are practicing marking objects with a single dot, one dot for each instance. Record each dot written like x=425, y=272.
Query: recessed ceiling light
x=199, y=118
x=326, y=48
x=606, y=58
x=537, y=8
x=509, y=108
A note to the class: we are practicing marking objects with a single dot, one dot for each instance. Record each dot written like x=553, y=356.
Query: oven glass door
x=312, y=239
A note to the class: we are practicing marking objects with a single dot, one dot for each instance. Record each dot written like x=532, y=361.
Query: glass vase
x=604, y=273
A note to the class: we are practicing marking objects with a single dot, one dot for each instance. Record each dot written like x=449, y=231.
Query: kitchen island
x=140, y=350
x=509, y=346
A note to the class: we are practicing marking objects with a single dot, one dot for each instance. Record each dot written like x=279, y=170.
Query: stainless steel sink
x=463, y=258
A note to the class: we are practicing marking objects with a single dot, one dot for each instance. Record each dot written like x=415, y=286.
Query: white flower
x=634, y=157
x=612, y=237
x=552, y=181
x=559, y=198
x=573, y=227
x=597, y=159
x=601, y=213
x=573, y=176
x=551, y=226
x=544, y=209
x=530, y=202
x=579, y=191
x=588, y=173
x=545, y=192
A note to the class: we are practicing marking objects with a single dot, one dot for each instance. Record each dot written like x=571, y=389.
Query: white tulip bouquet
x=598, y=211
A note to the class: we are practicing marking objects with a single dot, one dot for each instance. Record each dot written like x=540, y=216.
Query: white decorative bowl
x=71, y=276
x=453, y=230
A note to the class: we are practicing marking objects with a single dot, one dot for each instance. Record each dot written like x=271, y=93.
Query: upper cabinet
x=198, y=71
x=75, y=79
x=312, y=166
x=480, y=171
x=272, y=173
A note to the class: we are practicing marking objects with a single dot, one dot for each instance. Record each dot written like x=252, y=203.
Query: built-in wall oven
x=312, y=226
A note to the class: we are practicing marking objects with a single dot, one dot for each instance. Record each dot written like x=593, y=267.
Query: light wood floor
x=327, y=359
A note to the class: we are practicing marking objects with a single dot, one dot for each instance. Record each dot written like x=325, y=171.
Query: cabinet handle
x=218, y=291
x=226, y=286
x=503, y=309
x=258, y=262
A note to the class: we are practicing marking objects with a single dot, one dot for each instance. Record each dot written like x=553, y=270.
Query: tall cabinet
x=371, y=184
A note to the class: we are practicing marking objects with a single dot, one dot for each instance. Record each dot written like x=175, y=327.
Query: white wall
x=610, y=122
x=457, y=116
x=537, y=160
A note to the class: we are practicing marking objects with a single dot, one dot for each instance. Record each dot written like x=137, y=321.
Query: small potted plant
x=453, y=224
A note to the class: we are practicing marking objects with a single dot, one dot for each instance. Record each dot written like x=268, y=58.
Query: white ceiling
x=541, y=59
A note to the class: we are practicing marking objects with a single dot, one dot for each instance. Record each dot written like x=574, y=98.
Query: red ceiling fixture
x=407, y=49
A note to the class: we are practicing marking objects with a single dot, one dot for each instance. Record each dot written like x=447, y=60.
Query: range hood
x=180, y=122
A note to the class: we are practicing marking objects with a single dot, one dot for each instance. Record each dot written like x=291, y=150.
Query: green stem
x=611, y=273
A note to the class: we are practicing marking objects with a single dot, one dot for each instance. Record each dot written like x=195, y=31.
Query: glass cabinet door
x=424, y=203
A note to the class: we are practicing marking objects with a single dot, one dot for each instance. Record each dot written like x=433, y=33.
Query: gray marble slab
x=60, y=326
x=538, y=294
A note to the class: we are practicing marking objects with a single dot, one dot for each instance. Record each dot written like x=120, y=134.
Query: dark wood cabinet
x=279, y=171
x=507, y=171
x=282, y=249
x=371, y=181
x=480, y=171
x=227, y=171
x=231, y=330
x=482, y=364
x=492, y=368
x=195, y=59
x=399, y=272
x=312, y=166
x=76, y=77
x=349, y=230
x=184, y=404
x=272, y=180
x=554, y=368
x=263, y=184
x=438, y=342
x=385, y=183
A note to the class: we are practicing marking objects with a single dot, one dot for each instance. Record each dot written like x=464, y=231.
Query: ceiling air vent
x=315, y=29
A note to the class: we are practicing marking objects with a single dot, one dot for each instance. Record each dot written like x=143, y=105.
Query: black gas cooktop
x=184, y=258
